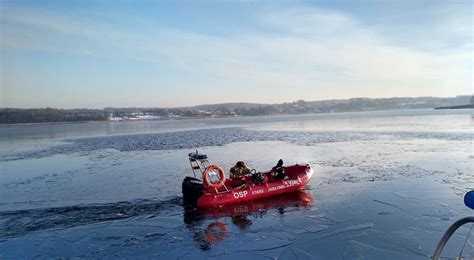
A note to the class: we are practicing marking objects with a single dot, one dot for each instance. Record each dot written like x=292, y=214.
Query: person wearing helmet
x=237, y=175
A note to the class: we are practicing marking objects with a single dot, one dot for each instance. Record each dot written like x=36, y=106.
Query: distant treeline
x=12, y=115
x=329, y=106
x=43, y=115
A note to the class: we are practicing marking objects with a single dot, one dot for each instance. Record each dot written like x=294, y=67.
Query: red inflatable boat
x=215, y=190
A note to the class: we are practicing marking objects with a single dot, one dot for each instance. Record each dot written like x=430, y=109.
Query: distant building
x=147, y=117
x=171, y=115
x=115, y=118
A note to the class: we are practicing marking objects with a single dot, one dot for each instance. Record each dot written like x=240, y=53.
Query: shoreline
x=50, y=123
x=97, y=121
x=467, y=106
x=219, y=117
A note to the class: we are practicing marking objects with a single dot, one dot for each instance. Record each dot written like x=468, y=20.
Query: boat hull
x=299, y=176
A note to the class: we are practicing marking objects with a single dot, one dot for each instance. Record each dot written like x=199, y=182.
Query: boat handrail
x=449, y=233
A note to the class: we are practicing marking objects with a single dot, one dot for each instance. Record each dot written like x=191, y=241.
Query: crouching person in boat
x=241, y=176
x=238, y=175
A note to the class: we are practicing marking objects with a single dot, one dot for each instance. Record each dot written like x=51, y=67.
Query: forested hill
x=337, y=105
x=15, y=115
x=44, y=115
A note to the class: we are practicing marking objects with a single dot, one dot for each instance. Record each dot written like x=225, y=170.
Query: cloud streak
x=305, y=52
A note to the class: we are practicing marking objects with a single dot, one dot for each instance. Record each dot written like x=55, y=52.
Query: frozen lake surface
x=386, y=185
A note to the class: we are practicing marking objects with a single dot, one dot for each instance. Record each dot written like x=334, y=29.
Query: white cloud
x=307, y=53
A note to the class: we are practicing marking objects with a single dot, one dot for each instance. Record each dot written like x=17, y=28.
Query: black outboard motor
x=192, y=188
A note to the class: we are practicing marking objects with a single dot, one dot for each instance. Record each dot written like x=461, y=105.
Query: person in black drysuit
x=278, y=171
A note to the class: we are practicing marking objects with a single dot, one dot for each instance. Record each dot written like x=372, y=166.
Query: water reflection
x=210, y=227
x=215, y=232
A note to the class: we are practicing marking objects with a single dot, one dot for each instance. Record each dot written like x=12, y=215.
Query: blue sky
x=72, y=54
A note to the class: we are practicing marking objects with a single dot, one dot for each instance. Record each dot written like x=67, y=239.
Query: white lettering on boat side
x=286, y=184
x=240, y=194
x=291, y=183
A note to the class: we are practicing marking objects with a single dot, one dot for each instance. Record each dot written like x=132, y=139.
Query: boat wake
x=23, y=222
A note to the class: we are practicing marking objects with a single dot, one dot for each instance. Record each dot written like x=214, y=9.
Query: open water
x=386, y=186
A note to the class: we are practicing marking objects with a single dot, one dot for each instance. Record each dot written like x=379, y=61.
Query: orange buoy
x=213, y=170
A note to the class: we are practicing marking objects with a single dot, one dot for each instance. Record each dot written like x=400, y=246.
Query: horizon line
x=237, y=102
